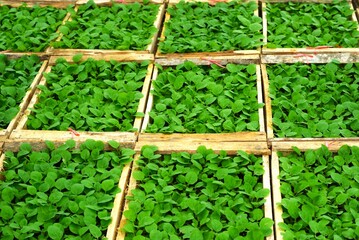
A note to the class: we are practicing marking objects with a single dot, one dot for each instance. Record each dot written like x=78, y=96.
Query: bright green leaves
x=26, y=29
x=211, y=99
x=15, y=78
x=320, y=193
x=293, y=25
x=118, y=27
x=197, y=196
x=68, y=198
x=316, y=100
x=200, y=27
x=89, y=96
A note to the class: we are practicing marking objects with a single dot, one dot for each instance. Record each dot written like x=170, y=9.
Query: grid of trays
x=179, y=119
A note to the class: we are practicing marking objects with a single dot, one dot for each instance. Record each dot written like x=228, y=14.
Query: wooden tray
x=201, y=54
x=4, y=134
x=127, y=139
x=229, y=140
x=304, y=50
x=269, y=123
x=118, y=200
x=275, y=170
x=150, y=48
x=184, y=148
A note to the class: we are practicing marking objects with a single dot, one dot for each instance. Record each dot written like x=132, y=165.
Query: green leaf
x=77, y=188
x=77, y=57
x=95, y=231
x=114, y=144
x=55, y=231
x=191, y=177
x=107, y=185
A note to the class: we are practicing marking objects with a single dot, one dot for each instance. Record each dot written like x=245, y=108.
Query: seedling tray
x=167, y=21
x=311, y=166
x=233, y=136
x=41, y=34
x=124, y=137
x=309, y=48
x=75, y=150
x=135, y=185
x=66, y=31
x=4, y=133
x=322, y=126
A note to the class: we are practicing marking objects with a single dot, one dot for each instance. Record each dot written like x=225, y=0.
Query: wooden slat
x=110, y=2
x=38, y=137
x=158, y=23
x=190, y=142
x=277, y=197
x=133, y=57
x=131, y=186
x=342, y=57
x=145, y=92
x=304, y=145
x=202, y=59
x=267, y=102
x=268, y=205
x=42, y=3
x=209, y=1
x=118, y=203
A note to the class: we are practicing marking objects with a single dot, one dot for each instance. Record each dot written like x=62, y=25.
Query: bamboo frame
x=229, y=139
x=5, y=133
x=118, y=199
x=128, y=138
x=266, y=184
x=150, y=48
x=303, y=50
x=203, y=54
x=269, y=123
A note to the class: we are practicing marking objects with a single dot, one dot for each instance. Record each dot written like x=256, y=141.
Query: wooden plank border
x=127, y=138
x=204, y=54
x=304, y=50
x=109, y=2
x=268, y=213
x=149, y=50
x=269, y=123
x=230, y=140
x=5, y=133
x=119, y=199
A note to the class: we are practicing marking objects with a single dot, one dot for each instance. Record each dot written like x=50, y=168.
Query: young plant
x=15, y=78
x=320, y=192
x=200, y=27
x=60, y=193
x=89, y=96
x=118, y=27
x=314, y=100
x=205, y=99
x=295, y=25
x=27, y=29
x=197, y=196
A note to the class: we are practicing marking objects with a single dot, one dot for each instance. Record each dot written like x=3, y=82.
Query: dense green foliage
x=199, y=196
x=200, y=27
x=205, y=99
x=315, y=100
x=15, y=78
x=27, y=29
x=60, y=193
x=119, y=27
x=292, y=25
x=89, y=96
x=320, y=191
